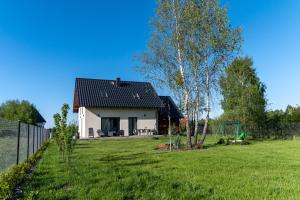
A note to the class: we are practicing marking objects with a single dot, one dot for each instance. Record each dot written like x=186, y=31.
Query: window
x=103, y=94
x=136, y=96
x=132, y=125
x=110, y=124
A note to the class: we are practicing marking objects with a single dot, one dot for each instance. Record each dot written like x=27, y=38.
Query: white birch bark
x=182, y=72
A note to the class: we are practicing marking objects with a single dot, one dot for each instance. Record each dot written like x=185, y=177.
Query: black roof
x=40, y=118
x=174, y=111
x=114, y=94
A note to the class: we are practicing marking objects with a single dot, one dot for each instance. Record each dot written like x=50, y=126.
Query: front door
x=132, y=125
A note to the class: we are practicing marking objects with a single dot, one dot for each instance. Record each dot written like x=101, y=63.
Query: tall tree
x=243, y=93
x=191, y=41
x=210, y=43
x=164, y=63
x=19, y=110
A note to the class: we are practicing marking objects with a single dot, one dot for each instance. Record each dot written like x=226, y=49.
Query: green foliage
x=178, y=142
x=16, y=174
x=69, y=137
x=191, y=42
x=182, y=127
x=293, y=113
x=19, y=110
x=283, y=124
x=64, y=135
x=132, y=169
x=243, y=94
x=290, y=115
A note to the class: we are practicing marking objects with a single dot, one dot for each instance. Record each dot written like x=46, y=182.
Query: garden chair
x=91, y=133
x=121, y=133
x=110, y=133
x=100, y=133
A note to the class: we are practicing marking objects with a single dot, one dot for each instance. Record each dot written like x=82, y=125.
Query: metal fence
x=279, y=131
x=18, y=141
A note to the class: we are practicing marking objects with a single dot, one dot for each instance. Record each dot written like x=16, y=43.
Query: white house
x=117, y=108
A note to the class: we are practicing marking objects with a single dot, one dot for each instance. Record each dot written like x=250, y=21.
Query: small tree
x=63, y=133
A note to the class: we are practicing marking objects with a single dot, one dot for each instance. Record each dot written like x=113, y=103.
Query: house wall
x=91, y=118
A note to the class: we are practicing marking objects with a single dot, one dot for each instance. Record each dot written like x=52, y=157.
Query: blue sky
x=45, y=45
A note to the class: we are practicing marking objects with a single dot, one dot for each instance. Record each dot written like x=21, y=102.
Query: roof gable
x=174, y=111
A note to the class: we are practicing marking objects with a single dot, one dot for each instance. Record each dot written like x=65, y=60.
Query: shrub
x=178, y=141
x=16, y=174
x=221, y=141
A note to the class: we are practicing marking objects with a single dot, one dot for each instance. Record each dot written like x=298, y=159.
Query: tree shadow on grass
x=83, y=146
x=141, y=163
x=130, y=160
x=122, y=157
x=208, y=146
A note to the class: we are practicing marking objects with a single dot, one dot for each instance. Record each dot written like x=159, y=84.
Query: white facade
x=91, y=118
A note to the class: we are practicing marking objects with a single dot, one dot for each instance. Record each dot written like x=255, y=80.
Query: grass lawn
x=133, y=169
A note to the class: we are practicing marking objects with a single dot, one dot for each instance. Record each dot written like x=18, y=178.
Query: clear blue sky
x=44, y=45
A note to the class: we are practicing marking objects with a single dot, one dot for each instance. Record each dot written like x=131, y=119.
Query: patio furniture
x=100, y=133
x=110, y=133
x=91, y=133
x=121, y=133
x=135, y=132
x=140, y=132
x=154, y=132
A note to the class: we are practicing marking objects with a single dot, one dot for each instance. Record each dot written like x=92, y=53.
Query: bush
x=16, y=174
x=178, y=141
x=221, y=141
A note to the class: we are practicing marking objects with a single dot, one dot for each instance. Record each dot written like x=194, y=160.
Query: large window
x=132, y=125
x=110, y=124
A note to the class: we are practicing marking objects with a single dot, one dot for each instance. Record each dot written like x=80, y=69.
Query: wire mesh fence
x=278, y=131
x=18, y=141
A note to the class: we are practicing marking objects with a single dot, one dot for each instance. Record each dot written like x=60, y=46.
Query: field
x=135, y=169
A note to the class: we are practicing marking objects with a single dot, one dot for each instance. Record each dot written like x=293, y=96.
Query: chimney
x=118, y=82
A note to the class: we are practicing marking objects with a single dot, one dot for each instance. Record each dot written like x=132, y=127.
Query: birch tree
x=210, y=43
x=164, y=61
x=191, y=42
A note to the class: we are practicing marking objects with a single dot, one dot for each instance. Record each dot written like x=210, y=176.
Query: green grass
x=133, y=169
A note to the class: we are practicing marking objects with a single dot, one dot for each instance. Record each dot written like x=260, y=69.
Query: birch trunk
x=182, y=73
x=197, y=110
x=207, y=91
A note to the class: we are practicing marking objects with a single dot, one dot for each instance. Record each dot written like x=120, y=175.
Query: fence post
x=37, y=138
x=33, y=138
x=18, y=147
x=28, y=143
x=41, y=138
